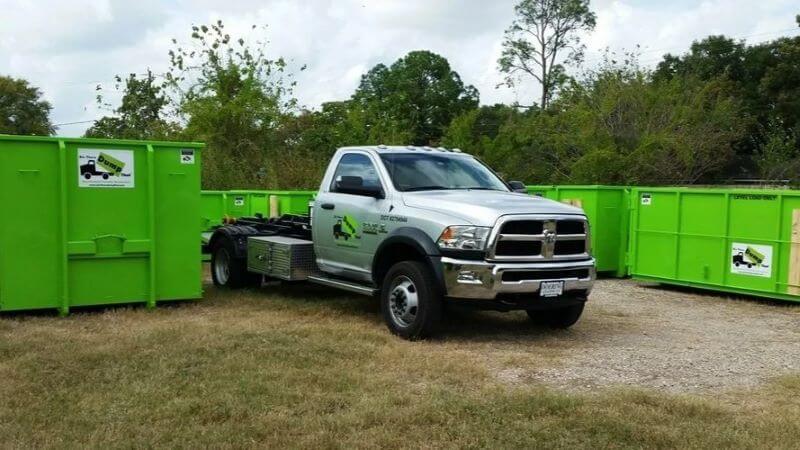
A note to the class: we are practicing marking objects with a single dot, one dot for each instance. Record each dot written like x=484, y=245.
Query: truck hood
x=483, y=208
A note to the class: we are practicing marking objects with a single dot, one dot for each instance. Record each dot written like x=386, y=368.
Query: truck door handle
x=328, y=206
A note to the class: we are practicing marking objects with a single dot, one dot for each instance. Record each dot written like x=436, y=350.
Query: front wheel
x=560, y=318
x=411, y=302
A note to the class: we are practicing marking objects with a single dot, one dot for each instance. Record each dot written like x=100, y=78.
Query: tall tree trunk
x=545, y=82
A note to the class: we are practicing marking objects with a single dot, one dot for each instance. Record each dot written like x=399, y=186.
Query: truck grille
x=543, y=238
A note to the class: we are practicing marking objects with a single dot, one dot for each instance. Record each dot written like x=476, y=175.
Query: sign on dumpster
x=751, y=259
x=105, y=168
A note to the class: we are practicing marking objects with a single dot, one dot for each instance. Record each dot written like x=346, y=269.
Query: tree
x=778, y=158
x=475, y=130
x=140, y=115
x=22, y=111
x=712, y=57
x=618, y=126
x=232, y=96
x=413, y=100
x=534, y=42
x=764, y=78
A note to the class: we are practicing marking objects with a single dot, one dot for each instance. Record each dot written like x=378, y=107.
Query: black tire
x=428, y=311
x=560, y=318
x=236, y=276
x=105, y=176
x=88, y=176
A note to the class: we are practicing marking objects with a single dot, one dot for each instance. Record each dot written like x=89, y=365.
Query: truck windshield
x=431, y=171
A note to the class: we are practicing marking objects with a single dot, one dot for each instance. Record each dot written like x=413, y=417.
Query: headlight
x=464, y=237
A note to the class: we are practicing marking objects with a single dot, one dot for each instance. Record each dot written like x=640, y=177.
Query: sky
x=67, y=48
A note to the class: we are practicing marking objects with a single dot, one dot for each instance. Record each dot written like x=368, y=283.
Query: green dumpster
x=217, y=205
x=744, y=241
x=97, y=222
x=607, y=209
x=243, y=203
x=212, y=207
x=293, y=202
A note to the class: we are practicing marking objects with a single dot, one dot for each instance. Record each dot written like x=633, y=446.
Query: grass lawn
x=306, y=367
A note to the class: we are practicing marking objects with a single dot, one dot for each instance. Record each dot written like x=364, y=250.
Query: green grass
x=300, y=367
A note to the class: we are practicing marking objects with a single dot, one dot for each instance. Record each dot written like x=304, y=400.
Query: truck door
x=347, y=228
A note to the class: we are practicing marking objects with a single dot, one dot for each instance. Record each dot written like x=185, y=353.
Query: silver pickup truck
x=420, y=228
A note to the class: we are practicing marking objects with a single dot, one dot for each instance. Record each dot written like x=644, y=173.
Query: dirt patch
x=634, y=334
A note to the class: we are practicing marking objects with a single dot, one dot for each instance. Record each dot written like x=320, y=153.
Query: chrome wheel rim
x=403, y=301
x=222, y=266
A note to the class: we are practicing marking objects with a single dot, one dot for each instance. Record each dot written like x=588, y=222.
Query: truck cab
x=421, y=227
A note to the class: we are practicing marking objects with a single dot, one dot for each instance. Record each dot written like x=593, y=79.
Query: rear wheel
x=229, y=271
x=411, y=303
x=558, y=318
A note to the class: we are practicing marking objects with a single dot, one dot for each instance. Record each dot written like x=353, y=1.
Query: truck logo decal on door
x=346, y=231
x=105, y=168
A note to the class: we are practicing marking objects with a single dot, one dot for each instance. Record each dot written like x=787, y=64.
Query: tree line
x=722, y=112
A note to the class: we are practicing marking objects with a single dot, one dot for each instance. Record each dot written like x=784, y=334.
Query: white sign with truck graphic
x=751, y=259
x=105, y=168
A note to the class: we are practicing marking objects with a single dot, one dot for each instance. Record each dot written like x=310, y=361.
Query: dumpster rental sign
x=105, y=168
x=751, y=259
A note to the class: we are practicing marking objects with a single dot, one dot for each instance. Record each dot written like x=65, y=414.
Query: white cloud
x=67, y=47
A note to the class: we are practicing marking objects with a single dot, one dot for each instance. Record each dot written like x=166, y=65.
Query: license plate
x=551, y=288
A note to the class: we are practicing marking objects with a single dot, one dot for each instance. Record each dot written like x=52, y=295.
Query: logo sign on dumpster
x=187, y=156
x=105, y=168
x=751, y=259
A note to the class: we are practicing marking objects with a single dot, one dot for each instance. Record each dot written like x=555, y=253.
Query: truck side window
x=359, y=165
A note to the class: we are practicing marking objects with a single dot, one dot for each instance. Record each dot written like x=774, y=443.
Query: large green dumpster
x=95, y=222
x=737, y=240
x=607, y=209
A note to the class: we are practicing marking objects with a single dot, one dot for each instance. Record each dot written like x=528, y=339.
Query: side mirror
x=355, y=186
x=518, y=186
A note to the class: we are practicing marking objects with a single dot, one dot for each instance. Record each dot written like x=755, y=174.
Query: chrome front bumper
x=482, y=280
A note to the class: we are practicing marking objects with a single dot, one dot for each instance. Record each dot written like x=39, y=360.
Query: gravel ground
x=636, y=334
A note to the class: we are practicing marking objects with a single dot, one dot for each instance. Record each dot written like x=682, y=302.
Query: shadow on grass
x=467, y=324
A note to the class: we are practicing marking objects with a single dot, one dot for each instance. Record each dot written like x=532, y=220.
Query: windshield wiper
x=426, y=188
x=480, y=188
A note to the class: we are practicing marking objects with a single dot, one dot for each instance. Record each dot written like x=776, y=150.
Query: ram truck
x=420, y=228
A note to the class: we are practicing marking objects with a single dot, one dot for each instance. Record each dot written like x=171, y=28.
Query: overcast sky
x=67, y=47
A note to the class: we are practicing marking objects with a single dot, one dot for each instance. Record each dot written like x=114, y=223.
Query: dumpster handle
x=103, y=236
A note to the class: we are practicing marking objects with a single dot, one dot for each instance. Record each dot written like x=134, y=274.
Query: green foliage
x=765, y=78
x=712, y=57
x=779, y=156
x=780, y=84
x=413, y=101
x=534, y=42
x=233, y=97
x=22, y=110
x=619, y=127
x=475, y=130
x=141, y=114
